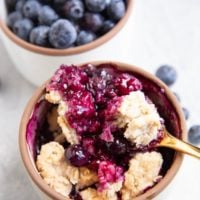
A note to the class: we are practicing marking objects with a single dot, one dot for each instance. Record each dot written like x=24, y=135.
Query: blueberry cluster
x=63, y=23
x=168, y=75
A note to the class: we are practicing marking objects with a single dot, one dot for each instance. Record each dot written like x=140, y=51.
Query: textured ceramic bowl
x=45, y=191
x=36, y=63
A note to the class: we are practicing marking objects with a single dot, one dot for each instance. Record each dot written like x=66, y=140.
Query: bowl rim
x=73, y=50
x=30, y=166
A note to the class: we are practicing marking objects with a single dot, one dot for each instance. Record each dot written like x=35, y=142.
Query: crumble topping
x=143, y=173
x=70, y=134
x=87, y=178
x=52, y=167
x=58, y=173
x=141, y=118
x=108, y=194
x=53, y=97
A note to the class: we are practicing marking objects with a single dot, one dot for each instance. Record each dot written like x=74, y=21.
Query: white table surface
x=165, y=32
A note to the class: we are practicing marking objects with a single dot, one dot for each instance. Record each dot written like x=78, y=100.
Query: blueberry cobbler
x=96, y=130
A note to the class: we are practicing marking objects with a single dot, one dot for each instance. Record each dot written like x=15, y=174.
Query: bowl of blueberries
x=42, y=34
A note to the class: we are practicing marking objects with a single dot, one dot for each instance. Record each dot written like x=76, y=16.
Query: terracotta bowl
x=160, y=95
x=36, y=63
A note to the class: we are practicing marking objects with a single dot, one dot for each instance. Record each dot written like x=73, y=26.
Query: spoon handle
x=174, y=143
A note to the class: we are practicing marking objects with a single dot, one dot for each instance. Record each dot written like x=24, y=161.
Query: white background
x=164, y=32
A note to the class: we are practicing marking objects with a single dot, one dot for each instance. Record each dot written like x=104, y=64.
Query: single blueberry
x=77, y=156
x=119, y=146
x=177, y=96
x=19, y=5
x=107, y=26
x=116, y=9
x=31, y=9
x=13, y=17
x=186, y=113
x=96, y=5
x=22, y=28
x=47, y=16
x=85, y=37
x=39, y=35
x=167, y=74
x=73, y=9
x=93, y=21
x=62, y=34
x=194, y=134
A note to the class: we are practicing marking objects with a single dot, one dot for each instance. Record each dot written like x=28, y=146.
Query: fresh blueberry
x=85, y=37
x=116, y=9
x=107, y=26
x=186, y=113
x=31, y=9
x=177, y=96
x=93, y=21
x=167, y=74
x=47, y=16
x=13, y=17
x=19, y=5
x=77, y=156
x=73, y=9
x=62, y=34
x=96, y=5
x=39, y=36
x=194, y=134
x=22, y=28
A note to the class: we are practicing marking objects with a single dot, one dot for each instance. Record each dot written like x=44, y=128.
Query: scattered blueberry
x=186, y=113
x=77, y=156
x=31, y=9
x=39, y=36
x=93, y=21
x=19, y=5
x=13, y=17
x=116, y=9
x=177, y=96
x=85, y=37
x=107, y=26
x=194, y=134
x=96, y=5
x=62, y=34
x=167, y=74
x=47, y=16
x=22, y=28
x=73, y=9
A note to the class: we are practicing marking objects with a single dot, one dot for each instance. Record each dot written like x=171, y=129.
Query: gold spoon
x=174, y=143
